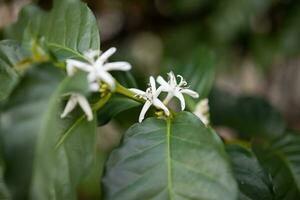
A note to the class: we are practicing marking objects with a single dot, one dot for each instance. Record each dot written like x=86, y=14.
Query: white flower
x=76, y=98
x=201, y=111
x=175, y=89
x=97, y=68
x=151, y=97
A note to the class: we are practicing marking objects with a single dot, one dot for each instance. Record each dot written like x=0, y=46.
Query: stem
x=95, y=107
x=125, y=92
x=99, y=104
x=169, y=164
x=67, y=133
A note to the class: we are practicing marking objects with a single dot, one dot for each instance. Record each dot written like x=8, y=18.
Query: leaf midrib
x=169, y=168
x=67, y=49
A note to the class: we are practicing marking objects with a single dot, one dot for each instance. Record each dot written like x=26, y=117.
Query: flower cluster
x=173, y=89
x=97, y=69
x=151, y=96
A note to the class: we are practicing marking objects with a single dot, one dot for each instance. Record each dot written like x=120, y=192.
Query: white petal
x=91, y=54
x=202, y=117
x=205, y=121
x=69, y=106
x=181, y=99
x=84, y=104
x=202, y=106
x=92, y=77
x=190, y=93
x=168, y=98
x=204, y=101
x=107, y=78
x=80, y=65
x=122, y=66
x=158, y=104
x=157, y=92
x=144, y=110
x=104, y=56
x=152, y=84
x=70, y=70
x=162, y=82
x=138, y=92
x=182, y=82
x=172, y=78
x=94, y=86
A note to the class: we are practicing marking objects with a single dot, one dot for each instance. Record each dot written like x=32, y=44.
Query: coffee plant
x=58, y=85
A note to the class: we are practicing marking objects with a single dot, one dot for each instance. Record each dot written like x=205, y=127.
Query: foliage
x=170, y=155
x=253, y=180
x=10, y=56
x=280, y=158
x=180, y=158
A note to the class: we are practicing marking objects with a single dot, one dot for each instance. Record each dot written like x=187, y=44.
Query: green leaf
x=69, y=29
x=173, y=159
x=254, y=183
x=280, y=157
x=90, y=187
x=21, y=121
x=10, y=55
x=116, y=105
x=30, y=128
x=250, y=116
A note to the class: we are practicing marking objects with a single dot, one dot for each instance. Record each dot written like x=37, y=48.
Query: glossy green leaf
x=250, y=116
x=280, y=157
x=30, y=128
x=178, y=159
x=90, y=187
x=69, y=29
x=21, y=122
x=254, y=183
x=10, y=55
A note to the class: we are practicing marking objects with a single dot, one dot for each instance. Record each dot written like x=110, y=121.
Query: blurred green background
x=255, y=45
